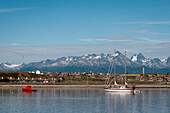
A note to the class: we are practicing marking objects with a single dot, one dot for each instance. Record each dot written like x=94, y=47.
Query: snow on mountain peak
x=144, y=61
x=164, y=60
x=12, y=65
x=69, y=59
x=117, y=54
x=97, y=57
x=134, y=58
x=138, y=58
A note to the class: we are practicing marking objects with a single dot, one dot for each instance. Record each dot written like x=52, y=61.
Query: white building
x=37, y=72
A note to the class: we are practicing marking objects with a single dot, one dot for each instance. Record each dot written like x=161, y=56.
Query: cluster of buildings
x=35, y=80
x=36, y=72
x=58, y=77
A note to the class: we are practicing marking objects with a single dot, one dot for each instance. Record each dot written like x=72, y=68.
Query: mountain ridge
x=95, y=63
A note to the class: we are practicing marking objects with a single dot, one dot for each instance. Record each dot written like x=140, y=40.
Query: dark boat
x=28, y=88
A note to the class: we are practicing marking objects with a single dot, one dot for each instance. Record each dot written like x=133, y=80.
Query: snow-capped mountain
x=91, y=60
x=11, y=67
x=94, y=63
x=141, y=60
x=166, y=61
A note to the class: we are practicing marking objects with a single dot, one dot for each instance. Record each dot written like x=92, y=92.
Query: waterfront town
x=79, y=78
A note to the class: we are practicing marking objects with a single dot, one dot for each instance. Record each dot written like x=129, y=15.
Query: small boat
x=116, y=87
x=119, y=89
x=28, y=88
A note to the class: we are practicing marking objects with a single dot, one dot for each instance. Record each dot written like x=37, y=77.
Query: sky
x=36, y=30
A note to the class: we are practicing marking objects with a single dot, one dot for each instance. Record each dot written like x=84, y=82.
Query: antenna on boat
x=115, y=67
x=125, y=69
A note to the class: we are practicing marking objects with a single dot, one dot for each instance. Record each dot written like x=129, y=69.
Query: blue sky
x=41, y=29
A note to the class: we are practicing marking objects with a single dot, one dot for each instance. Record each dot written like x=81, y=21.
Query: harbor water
x=84, y=100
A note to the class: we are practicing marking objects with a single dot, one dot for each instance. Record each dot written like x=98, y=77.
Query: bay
x=83, y=100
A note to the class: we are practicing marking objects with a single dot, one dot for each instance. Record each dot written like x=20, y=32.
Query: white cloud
x=129, y=38
x=106, y=40
x=149, y=32
x=156, y=41
x=39, y=53
x=22, y=40
x=15, y=44
x=148, y=23
x=138, y=40
x=112, y=38
x=87, y=40
x=15, y=9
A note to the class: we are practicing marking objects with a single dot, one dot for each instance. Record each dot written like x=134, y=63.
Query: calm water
x=86, y=100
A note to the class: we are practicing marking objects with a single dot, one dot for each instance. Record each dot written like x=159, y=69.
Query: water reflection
x=28, y=92
x=119, y=93
x=119, y=98
x=83, y=100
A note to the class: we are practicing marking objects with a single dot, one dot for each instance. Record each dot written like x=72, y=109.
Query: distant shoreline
x=84, y=86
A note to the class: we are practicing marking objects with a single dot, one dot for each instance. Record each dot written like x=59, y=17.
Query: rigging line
x=111, y=69
x=107, y=80
x=114, y=69
x=109, y=72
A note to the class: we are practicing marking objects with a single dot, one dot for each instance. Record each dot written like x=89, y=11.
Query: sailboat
x=116, y=87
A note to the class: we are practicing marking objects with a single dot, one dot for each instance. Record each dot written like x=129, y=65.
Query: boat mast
x=125, y=68
x=115, y=67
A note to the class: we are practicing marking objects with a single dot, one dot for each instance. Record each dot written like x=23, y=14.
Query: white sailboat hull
x=118, y=90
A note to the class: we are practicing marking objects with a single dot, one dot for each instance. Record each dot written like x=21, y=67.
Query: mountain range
x=97, y=63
